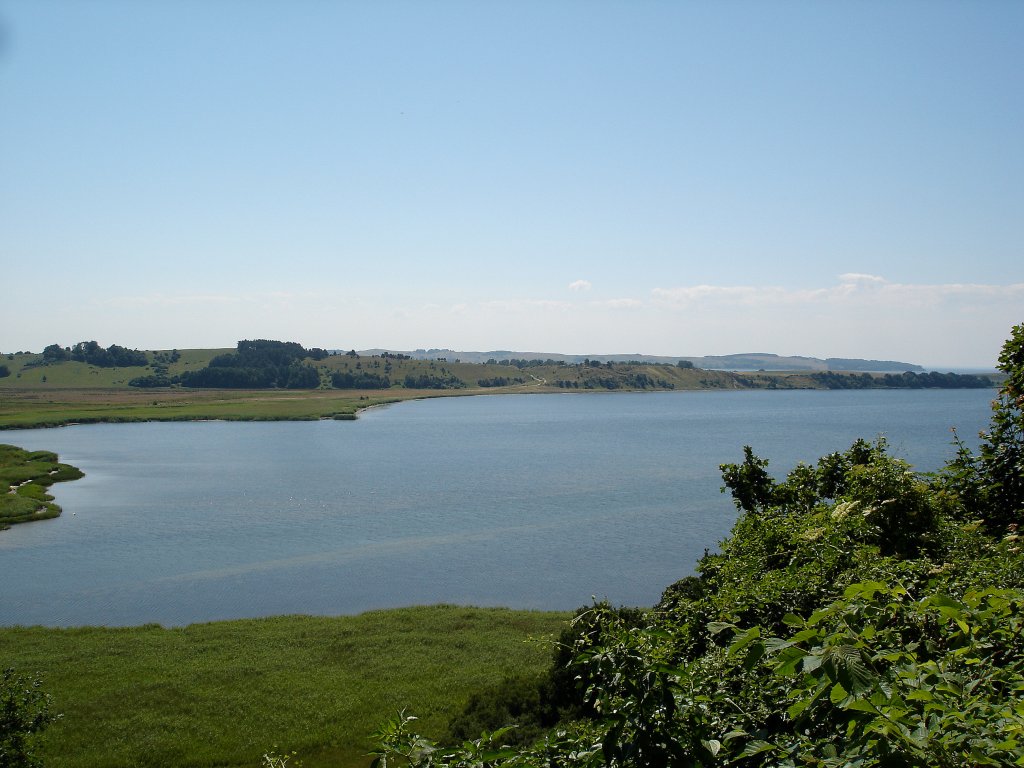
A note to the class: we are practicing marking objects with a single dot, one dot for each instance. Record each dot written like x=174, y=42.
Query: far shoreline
x=21, y=409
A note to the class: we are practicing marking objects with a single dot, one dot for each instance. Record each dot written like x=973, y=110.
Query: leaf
x=776, y=644
x=811, y=663
x=860, y=705
x=866, y=589
x=849, y=668
x=718, y=627
x=753, y=656
x=803, y=635
x=787, y=661
x=837, y=694
x=756, y=747
x=743, y=639
x=714, y=746
x=797, y=709
x=944, y=601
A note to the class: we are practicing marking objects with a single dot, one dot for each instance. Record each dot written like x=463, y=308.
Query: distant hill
x=751, y=361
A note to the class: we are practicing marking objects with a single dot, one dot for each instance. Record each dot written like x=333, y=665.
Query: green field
x=223, y=694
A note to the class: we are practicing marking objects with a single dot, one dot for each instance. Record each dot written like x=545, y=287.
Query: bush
x=24, y=712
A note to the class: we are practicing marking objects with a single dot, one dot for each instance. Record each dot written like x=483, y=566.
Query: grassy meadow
x=223, y=694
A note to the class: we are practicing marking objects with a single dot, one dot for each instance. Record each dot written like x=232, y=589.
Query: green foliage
x=525, y=702
x=359, y=380
x=880, y=678
x=433, y=381
x=257, y=364
x=907, y=380
x=152, y=381
x=500, y=381
x=55, y=353
x=1002, y=451
x=92, y=353
x=24, y=712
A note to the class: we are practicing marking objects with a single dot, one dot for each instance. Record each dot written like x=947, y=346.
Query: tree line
x=907, y=380
x=92, y=353
x=259, y=364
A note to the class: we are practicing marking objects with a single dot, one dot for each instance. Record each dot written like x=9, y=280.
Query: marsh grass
x=36, y=408
x=226, y=693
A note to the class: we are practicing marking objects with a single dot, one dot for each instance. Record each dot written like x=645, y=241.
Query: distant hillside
x=751, y=361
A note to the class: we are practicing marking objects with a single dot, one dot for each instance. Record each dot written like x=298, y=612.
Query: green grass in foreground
x=222, y=694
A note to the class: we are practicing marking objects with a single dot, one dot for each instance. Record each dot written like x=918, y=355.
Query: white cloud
x=580, y=285
x=620, y=304
x=859, y=277
x=859, y=315
x=852, y=288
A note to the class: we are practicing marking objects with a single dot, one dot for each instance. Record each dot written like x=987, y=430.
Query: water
x=527, y=501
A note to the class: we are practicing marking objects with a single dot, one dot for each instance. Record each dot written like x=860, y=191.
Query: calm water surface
x=527, y=501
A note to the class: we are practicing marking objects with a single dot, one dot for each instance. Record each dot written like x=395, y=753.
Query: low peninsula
x=26, y=475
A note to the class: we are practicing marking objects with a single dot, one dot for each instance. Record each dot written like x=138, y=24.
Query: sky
x=674, y=178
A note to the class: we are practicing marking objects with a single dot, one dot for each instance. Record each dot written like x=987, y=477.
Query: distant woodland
x=269, y=364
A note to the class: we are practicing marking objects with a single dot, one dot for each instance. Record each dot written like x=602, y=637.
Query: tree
x=54, y=353
x=24, y=712
x=1002, y=448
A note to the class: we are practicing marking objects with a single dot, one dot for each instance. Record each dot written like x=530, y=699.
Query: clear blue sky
x=681, y=178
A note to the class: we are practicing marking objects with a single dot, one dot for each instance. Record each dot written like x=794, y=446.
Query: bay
x=526, y=501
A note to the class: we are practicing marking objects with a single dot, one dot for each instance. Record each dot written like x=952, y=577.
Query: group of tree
x=433, y=381
x=92, y=353
x=359, y=380
x=625, y=381
x=521, y=363
x=859, y=614
x=500, y=381
x=907, y=380
x=259, y=364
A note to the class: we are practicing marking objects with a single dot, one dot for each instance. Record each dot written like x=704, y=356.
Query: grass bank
x=222, y=694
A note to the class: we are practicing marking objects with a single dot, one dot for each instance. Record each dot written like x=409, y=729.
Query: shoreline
x=20, y=409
